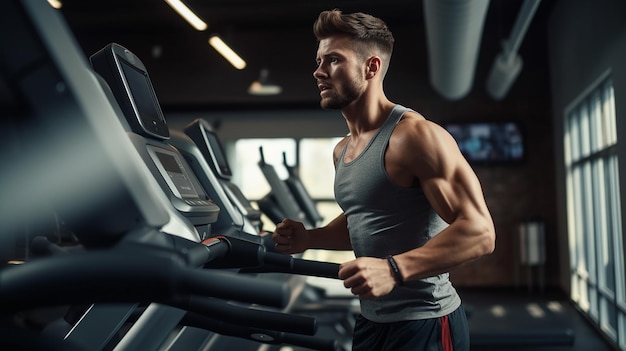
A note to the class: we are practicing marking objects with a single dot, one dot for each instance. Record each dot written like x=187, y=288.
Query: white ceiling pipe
x=508, y=64
x=453, y=31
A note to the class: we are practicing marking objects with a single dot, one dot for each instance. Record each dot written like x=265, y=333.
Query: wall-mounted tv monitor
x=129, y=81
x=489, y=142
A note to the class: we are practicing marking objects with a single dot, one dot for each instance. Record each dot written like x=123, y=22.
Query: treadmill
x=147, y=129
x=201, y=145
x=280, y=202
x=188, y=187
x=301, y=194
x=136, y=262
x=289, y=199
x=202, y=148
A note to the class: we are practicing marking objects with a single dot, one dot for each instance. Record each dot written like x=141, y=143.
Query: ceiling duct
x=508, y=63
x=453, y=30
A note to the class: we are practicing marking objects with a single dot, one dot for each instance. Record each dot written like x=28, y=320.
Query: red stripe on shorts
x=446, y=336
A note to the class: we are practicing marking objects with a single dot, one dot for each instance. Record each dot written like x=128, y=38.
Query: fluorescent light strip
x=55, y=3
x=187, y=14
x=227, y=52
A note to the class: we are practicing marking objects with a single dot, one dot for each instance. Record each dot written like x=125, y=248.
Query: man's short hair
x=360, y=27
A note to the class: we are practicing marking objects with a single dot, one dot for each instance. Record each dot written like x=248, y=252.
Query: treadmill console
x=130, y=84
x=177, y=178
x=202, y=133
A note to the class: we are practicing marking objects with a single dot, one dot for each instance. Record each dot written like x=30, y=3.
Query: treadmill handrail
x=282, y=263
x=271, y=261
x=246, y=315
x=125, y=276
x=259, y=334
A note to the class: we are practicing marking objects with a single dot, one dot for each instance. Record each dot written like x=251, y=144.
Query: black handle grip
x=258, y=334
x=103, y=276
x=241, y=253
x=316, y=268
x=311, y=342
x=153, y=242
x=85, y=278
x=230, y=286
x=248, y=316
x=281, y=263
x=199, y=254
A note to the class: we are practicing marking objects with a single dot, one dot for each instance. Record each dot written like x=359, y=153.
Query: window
x=594, y=210
x=246, y=172
x=318, y=174
x=311, y=156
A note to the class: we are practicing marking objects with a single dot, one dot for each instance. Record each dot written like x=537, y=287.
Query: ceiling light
x=263, y=85
x=187, y=14
x=228, y=53
x=55, y=3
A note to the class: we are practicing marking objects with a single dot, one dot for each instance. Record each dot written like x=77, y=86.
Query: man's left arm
x=454, y=191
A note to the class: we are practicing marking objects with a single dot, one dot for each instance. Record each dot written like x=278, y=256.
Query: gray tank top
x=387, y=219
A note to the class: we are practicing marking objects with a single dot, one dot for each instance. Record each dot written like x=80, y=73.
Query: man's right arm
x=292, y=237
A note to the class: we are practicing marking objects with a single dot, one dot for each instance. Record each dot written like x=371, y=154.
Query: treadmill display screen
x=177, y=175
x=218, y=155
x=144, y=98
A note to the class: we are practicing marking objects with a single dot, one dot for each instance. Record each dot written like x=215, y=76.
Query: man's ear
x=373, y=67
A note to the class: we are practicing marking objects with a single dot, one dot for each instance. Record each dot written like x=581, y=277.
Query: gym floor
x=535, y=321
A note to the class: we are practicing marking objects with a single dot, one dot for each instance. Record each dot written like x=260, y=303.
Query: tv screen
x=495, y=142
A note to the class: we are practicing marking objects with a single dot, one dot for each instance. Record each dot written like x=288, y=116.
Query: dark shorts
x=447, y=333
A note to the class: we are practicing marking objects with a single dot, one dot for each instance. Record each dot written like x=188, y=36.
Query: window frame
x=593, y=206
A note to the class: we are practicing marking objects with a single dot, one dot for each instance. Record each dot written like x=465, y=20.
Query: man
x=413, y=208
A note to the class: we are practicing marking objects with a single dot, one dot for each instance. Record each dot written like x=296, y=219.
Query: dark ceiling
x=275, y=34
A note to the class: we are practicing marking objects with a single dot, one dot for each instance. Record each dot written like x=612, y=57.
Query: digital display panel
x=177, y=175
x=143, y=97
x=218, y=154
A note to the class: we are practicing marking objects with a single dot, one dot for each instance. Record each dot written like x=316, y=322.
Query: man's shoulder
x=415, y=126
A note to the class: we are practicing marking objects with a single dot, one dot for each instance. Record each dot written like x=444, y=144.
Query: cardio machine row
x=157, y=250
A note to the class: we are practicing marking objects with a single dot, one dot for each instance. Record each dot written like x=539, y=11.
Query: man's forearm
x=333, y=236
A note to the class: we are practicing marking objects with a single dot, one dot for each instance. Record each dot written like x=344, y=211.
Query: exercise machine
x=301, y=194
x=280, y=202
x=139, y=266
x=131, y=86
x=203, y=150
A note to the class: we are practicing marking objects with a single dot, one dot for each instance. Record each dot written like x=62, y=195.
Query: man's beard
x=338, y=101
